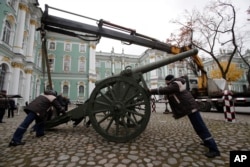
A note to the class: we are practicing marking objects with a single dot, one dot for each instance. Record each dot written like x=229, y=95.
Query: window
x=160, y=73
x=81, y=64
x=7, y=32
x=51, y=64
x=52, y=46
x=180, y=72
x=107, y=73
x=65, y=90
x=66, y=63
x=118, y=65
x=82, y=48
x=67, y=47
x=81, y=90
x=170, y=71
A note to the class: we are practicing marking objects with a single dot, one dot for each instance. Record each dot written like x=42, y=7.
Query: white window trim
x=65, y=47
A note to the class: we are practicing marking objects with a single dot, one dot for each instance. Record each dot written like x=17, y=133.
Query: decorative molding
x=6, y=59
x=93, y=46
x=25, y=34
x=33, y=22
x=92, y=80
x=23, y=7
x=28, y=71
x=17, y=65
x=65, y=83
x=11, y=19
x=152, y=56
x=81, y=83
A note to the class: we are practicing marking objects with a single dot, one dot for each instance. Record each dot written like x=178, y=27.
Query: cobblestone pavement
x=165, y=142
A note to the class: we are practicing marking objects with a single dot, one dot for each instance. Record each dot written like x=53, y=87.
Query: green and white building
x=75, y=64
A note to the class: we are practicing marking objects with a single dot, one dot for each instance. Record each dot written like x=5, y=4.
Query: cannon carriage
x=119, y=106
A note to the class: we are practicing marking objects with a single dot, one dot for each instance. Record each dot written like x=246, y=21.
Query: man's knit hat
x=169, y=77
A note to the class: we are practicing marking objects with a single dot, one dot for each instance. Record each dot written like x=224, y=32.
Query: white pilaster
x=123, y=63
x=153, y=73
x=30, y=57
x=113, y=65
x=15, y=78
x=92, y=67
x=27, y=87
x=18, y=43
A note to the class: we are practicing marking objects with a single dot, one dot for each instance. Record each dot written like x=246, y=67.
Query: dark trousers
x=2, y=113
x=202, y=131
x=10, y=113
x=39, y=127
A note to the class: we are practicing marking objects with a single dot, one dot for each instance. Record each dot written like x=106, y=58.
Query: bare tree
x=210, y=29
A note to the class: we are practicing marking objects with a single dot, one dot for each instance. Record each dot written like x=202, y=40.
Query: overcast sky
x=147, y=17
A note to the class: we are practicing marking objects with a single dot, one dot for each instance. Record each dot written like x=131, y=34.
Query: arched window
x=81, y=64
x=65, y=90
x=52, y=45
x=81, y=90
x=82, y=48
x=7, y=33
x=67, y=47
x=66, y=63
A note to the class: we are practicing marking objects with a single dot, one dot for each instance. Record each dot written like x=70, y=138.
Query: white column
x=20, y=28
x=92, y=67
x=153, y=73
x=15, y=77
x=112, y=65
x=123, y=63
x=30, y=46
x=26, y=95
x=8, y=81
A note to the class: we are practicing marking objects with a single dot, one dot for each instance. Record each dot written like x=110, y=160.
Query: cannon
x=119, y=106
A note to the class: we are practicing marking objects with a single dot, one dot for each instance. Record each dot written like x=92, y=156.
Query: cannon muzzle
x=166, y=61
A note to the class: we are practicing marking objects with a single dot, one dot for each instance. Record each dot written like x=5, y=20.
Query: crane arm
x=113, y=31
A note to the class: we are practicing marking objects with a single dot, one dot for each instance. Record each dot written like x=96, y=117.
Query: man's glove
x=63, y=112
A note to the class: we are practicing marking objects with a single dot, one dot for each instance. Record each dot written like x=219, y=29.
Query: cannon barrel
x=151, y=66
x=155, y=65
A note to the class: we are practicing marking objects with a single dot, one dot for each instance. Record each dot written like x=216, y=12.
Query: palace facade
x=75, y=64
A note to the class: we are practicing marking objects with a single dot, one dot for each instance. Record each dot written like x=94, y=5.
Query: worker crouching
x=36, y=110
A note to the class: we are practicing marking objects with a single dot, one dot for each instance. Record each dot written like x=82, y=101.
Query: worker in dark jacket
x=11, y=108
x=36, y=110
x=182, y=103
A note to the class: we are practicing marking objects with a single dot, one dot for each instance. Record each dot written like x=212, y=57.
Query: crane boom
x=104, y=29
x=113, y=31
